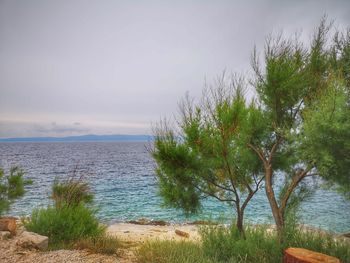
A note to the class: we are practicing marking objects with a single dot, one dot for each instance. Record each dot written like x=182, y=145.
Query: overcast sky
x=115, y=67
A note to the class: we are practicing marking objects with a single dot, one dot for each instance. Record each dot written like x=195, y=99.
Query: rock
x=8, y=224
x=141, y=221
x=158, y=223
x=32, y=240
x=145, y=222
x=182, y=233
x=301, y=255
x=5, y=235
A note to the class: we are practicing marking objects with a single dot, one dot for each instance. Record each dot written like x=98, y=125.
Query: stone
x=141, y=221
x=158, y=223
x=8, y=224
x=32, y=240
x=5, y=235
x=301, y=255
x=182, y=233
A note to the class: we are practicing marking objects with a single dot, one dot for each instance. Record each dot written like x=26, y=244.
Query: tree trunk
x=276, y=211
x=239, y=222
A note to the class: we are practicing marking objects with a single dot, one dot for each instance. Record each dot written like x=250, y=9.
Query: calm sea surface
x=121, y=174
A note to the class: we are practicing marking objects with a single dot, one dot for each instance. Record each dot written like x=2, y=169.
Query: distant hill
x=83, y=138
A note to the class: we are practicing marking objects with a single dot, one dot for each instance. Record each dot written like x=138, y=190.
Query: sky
x=73, y=67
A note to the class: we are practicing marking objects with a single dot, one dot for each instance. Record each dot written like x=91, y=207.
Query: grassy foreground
x=220, y=244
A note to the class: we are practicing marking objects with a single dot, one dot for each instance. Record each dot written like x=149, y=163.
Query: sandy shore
x=140, y=233
x=133, y=235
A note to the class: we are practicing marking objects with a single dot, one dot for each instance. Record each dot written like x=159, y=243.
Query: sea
x=122, y=177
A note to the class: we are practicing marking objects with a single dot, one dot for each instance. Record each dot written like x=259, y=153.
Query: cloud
x=118, y=66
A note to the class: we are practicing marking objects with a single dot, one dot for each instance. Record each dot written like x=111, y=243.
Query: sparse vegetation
x=71, y=192
x=102, y=244
x=11, y=187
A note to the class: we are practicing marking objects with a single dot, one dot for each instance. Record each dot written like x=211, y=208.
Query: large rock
x=8, y=224
x=32, y=240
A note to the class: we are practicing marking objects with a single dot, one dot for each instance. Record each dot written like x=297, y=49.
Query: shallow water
x=122, y=176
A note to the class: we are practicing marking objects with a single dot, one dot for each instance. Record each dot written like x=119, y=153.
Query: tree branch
x=258, y=152
x=294, y=183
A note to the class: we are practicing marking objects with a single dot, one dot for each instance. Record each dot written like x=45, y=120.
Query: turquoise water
x=121, y=174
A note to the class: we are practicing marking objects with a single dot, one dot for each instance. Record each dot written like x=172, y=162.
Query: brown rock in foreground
x=32, y=240
x=301, y=255
x=8, y=224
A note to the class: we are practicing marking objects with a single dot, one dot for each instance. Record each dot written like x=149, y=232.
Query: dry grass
x=104, y=244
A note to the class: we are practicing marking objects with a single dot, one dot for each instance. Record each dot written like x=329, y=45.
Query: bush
x=103, y=244
x=69, y=219
x=71, y=192
x=65, y=224
x=11, y=187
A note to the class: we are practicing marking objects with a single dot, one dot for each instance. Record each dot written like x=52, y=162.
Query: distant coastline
x=83, y=138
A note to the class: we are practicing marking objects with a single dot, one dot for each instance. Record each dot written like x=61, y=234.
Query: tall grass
x=171, y=252
x=71, y=192
x=224, y=244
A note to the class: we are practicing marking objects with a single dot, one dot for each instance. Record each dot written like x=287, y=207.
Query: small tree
x=207, y=157
x=11, y=187
x=303, y=97
x=298, y=127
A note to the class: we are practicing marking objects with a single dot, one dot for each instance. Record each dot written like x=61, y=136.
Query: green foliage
x=208, y=158
x=102, y=244
x=11, y=187
x=326, y=140
x=303, y=96
x=69, y=219
x=71, y=192
x=65, y=224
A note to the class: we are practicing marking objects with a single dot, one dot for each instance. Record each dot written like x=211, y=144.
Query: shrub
x=71, y=192
x=65, y=224
x=103, y=244
x=11, y=187
x=69, y=219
